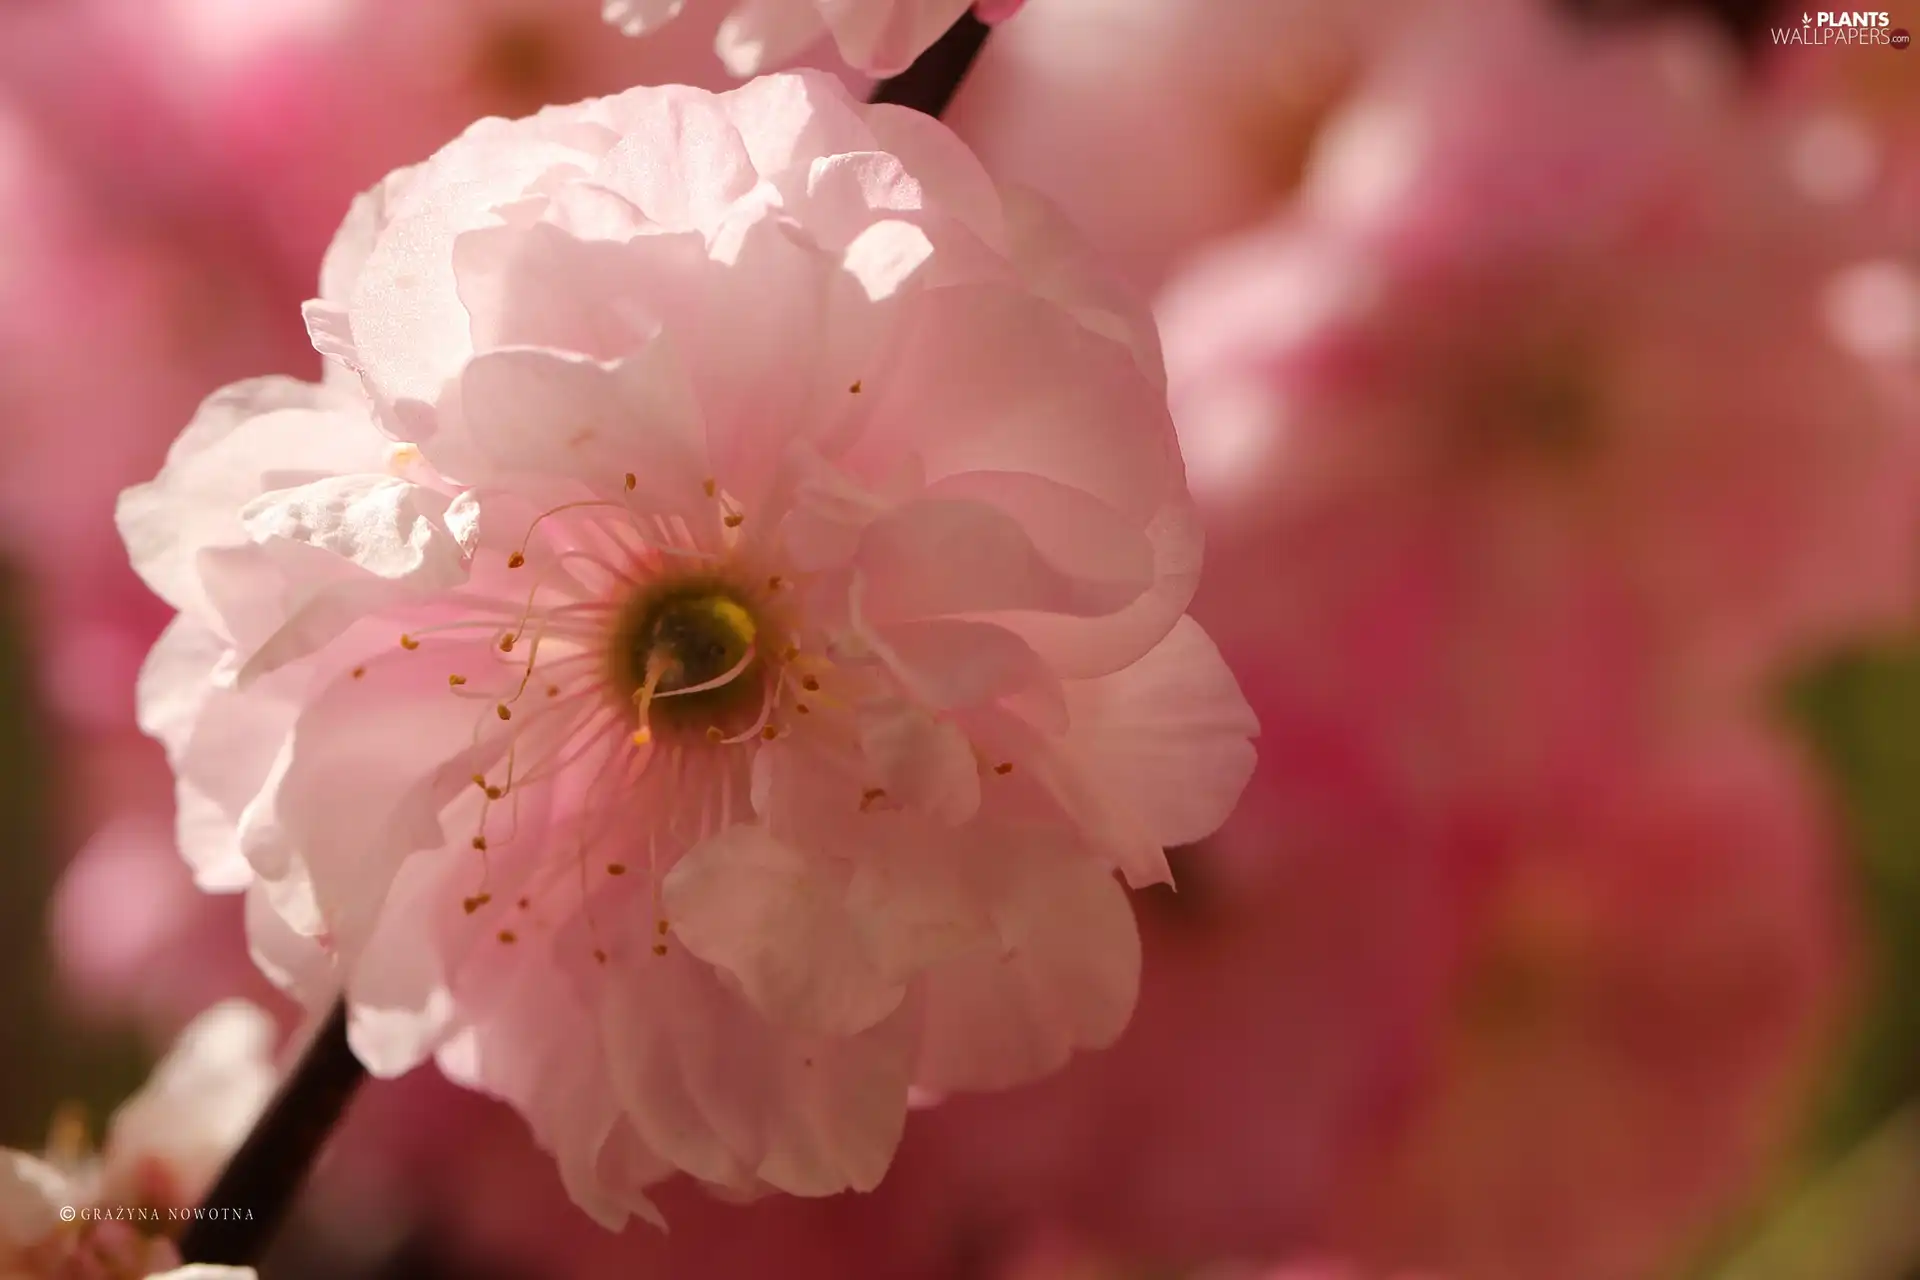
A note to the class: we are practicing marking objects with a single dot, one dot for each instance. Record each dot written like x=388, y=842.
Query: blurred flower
x=880, y=37
x=1159, y=124
x=73, y=1215
x=1527, y=462
x=1649, y=980
x=1538, y=395
x=266, y=119
x=785, y=520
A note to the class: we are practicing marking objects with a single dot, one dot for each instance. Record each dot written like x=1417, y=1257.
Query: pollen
x=477, y=901
x=408, y=643
x=599, y=956
x=710, y=486
x=870, y=797
x=359, y=673
x=456, y=681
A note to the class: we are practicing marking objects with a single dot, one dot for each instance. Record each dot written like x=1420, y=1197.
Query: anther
x=1004, y=768
x=506, y=643
x=599, y=956
x=524, y=904
x=632, y=482
x=359, y=673
x=508, y=936
x=776, y=582
x=616, y=868
x=456, y=681
x=733, y=520
x=477, y=901
x=494, y=793
x=515, y=560
x=660, y=927
x=503, y=712
x=642, y=736
x=408, y=643
x=480, y=843
x=553, y=691
x=802, y=708
x=714, y=734
x=855, y=388
x=870, y=797
x=810, y=683
x=659, y=948
x=710, y=486
x=770, y=733
x=789, y=653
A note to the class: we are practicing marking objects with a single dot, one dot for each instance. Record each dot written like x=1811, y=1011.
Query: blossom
x=879, y=37
x=72, y=1215
x=697, y=662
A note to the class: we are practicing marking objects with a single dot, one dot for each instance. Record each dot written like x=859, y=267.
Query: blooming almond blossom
x=697, y=663
x=879, y=37
x=70, y=1214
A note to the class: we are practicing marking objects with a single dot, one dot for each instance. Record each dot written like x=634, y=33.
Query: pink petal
x=1062, y=975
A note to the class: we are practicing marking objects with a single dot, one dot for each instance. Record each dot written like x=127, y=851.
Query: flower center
x=685, y=655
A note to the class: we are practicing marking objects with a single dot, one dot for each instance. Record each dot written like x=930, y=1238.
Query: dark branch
x=257, y=1190
x=930, y=83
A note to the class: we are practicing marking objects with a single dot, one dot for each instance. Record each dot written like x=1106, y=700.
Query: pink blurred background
x=1551, y=389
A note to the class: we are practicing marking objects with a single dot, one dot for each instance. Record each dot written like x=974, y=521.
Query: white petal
x=759, y=34
x=32, y=1193
x=777, y=919
x=245, y=440
x=1063, y=974
x=921, y=762
x=637, y=17
x=196, y=1106
x=1167, y=741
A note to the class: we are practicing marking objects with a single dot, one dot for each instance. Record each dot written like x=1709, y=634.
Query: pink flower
x=879, y=37
x=700, y=677
x=263, y=121
x=63, y=1215
x=1543, y=371
x=1651, y=978
x=1160, y=124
